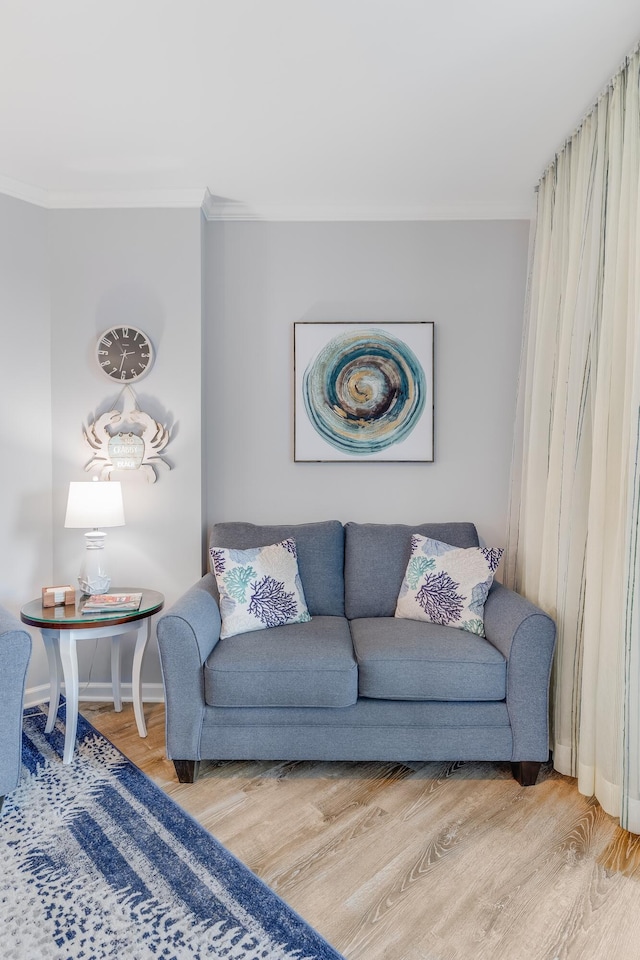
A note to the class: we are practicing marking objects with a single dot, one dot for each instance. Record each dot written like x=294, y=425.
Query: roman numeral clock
x=124, y=353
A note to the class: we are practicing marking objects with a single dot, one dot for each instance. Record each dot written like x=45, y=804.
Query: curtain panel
x=573, y=529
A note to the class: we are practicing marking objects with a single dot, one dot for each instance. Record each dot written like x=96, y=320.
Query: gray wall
x=259, y=278
x=137, y=267
x=67, y=275
x=64, y=277
x=26, y=548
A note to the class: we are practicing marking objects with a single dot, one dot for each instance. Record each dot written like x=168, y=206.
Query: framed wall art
x=363, y=391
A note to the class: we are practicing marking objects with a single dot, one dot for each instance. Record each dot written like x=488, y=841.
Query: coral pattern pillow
x=259, y=588
x=447, y=585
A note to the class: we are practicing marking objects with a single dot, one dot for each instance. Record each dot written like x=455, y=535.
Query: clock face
x=124, y=353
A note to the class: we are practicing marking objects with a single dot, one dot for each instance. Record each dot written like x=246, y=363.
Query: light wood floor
x=427, y=861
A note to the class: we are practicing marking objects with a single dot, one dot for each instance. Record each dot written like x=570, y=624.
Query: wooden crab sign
x=127, y=439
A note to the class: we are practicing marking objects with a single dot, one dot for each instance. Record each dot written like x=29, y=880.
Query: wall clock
x=124, y=353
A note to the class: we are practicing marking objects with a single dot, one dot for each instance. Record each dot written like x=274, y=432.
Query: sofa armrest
x=525, y=636
x=15, y=652
x=187, y=633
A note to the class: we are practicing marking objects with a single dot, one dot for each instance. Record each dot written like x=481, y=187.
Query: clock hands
x=124, y=355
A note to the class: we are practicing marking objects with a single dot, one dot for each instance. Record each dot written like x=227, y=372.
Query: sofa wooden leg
x=526, y=772
x=187, y=770
x=1, y=802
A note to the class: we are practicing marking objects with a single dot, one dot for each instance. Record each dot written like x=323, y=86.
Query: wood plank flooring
x=427, y=861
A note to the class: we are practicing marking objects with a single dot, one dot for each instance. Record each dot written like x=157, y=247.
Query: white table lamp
x=94, y=503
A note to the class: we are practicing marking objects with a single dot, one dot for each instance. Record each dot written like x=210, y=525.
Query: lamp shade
x=95, y=503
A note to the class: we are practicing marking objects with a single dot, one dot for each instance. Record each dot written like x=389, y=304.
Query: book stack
x=112, y=603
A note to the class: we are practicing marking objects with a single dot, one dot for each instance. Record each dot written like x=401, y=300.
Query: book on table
x=112, y=603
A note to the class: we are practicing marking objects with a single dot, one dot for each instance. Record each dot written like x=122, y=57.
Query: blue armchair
x=15, y=651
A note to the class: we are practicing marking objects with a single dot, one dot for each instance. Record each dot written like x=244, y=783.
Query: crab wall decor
x=127, y=439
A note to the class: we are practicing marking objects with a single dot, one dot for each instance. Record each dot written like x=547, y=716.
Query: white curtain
x=574, y=543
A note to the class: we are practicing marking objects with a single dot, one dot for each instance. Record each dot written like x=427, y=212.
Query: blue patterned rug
x=97, y=862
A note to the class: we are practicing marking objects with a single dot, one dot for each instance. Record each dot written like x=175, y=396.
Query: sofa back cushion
x=376, y=558
x=320, y=548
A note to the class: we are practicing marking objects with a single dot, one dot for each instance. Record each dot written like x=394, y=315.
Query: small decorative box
x=54, y=596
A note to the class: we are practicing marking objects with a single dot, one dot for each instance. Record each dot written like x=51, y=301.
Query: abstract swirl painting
x=364, y=391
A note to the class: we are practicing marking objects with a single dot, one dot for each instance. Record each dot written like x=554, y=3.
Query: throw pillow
x=259, y=588
x=447, y=585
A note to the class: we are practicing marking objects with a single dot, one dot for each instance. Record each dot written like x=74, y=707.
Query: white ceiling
x=318, y=109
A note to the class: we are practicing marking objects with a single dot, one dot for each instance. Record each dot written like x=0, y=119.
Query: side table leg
x=136, y=679
x=69, y=658
x=115, y=673
x=50, y=639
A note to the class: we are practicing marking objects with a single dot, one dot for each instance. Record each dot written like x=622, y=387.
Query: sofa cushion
x=320, y=548
x=447, y=585
x=259, y=588
x=376, y=557
x=301, y=665
x=411, y=660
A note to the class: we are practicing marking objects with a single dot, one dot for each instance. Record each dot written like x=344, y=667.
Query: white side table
x=62, y=627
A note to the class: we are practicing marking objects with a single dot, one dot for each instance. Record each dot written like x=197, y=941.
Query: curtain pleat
x=573, y=531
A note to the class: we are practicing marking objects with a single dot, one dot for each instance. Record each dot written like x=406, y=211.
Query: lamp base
x=90, y=587
x=93, y=576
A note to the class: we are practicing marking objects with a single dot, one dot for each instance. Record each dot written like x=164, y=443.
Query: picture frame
x=364, y=391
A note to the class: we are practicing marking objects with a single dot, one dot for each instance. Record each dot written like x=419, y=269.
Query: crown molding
x=220, y=209
x=24, y=191
x=119, y=199
x=101, y=199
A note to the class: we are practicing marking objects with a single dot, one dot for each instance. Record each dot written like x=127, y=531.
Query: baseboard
x=151, y=693
x=35, y=695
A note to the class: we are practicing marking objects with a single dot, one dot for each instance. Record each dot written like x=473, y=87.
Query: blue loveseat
x=355, y=683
